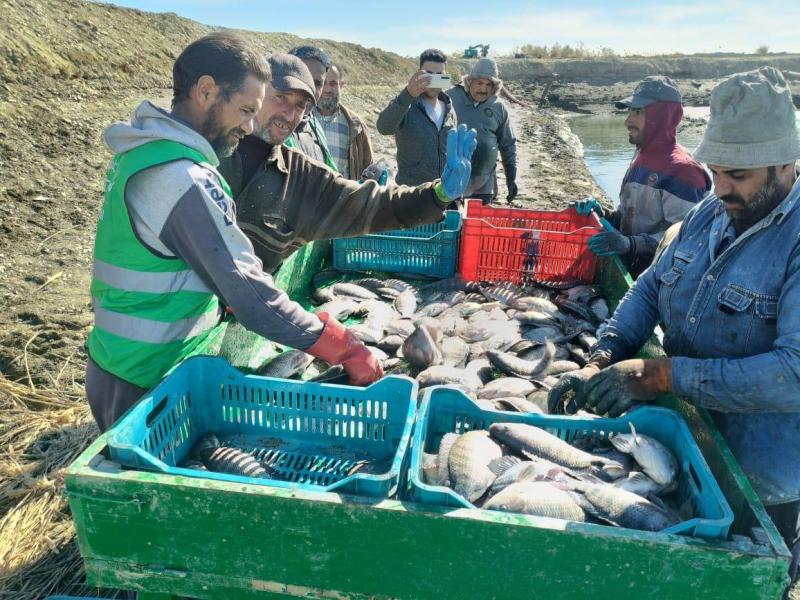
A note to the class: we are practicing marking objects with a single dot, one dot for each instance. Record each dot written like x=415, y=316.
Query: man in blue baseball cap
x=662, y=183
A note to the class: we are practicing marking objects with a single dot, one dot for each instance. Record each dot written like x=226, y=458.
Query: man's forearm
x=390, y=118
x=768, y=382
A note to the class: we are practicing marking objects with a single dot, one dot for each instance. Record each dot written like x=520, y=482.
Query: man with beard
x=727, y=291
x=662, y=183
x=346, y=133
x=168, y=254
x=477, y=105
x=420, y=119
x=309, y=136
x=286, y=200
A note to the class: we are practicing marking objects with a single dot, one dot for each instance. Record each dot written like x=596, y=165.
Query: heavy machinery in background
x=472, y=51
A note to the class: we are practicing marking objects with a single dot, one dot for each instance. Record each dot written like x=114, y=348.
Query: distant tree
x=763, y=49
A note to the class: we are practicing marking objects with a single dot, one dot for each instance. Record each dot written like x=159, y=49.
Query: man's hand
x=418, y=83
x=511, y=183
x=609, y=243
x=570, y=382
x=461, y=143
x=625, y=384
x=585, y=207
x=338, y=346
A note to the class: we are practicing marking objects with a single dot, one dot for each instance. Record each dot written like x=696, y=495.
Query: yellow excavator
x=472, y=51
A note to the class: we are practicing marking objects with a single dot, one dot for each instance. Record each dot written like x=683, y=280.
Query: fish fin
x=622, y=442
x=633, y=431
x=638, y=476
x=500, y=465
x=611, y=468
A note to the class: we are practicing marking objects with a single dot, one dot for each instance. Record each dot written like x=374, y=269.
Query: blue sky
x=409, y=26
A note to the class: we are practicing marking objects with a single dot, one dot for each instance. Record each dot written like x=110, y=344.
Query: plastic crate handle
x=156, y=411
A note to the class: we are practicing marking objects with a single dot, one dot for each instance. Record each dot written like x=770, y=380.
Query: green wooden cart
x=169, y=536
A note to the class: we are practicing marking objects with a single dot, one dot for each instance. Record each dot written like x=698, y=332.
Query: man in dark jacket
x=478, y=107
x=662, y=184
x=309, y=136
x=420, y=118
x=286, y=200
x=345, y=132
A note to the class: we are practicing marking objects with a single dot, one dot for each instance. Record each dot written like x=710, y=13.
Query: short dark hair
x=432, y=54
x=312, y=52
x=224, y=56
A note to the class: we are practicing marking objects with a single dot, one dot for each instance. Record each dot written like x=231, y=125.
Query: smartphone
x=439, y=81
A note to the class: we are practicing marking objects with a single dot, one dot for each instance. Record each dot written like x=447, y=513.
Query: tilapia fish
x=639, y=484
x=406, y=303
x=538, y=498
x=421, y=348
x=352, y=290
x=469, y=464
x=623, y=508
x=656, y=460
x=506, y=387
x=443, y=374
x=226, y=460
x=535, y=442
x=530, y=470
x=286, y=364
x=517, y=367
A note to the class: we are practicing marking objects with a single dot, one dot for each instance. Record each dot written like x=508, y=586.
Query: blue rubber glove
x=461, y=143
x=585, y=207
x=609, y=243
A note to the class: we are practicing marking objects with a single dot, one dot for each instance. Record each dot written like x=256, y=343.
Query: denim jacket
x=732, y=328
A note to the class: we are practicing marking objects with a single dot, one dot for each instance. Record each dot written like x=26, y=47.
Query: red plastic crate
x=520, y=245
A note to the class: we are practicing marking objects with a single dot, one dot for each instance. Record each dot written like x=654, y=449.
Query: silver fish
x=516, y=404
x=475, y=332
x=421, y=348
x=504, y=292
x=482, y=368
x=657, y=461
x=432, y=310
x=539, y=398
x=322, y=295
x=558, y=367
x=365, y=333
x=534, y=302
x=401, y=327
x=535, y=442
x=640, y=484
x=406, y=303
x=469, y=464
x=538, y=498
x=443, y=375
x=286, y=364
x=624, y=508
x=517, y=367
x=541, y=334
x=536, y=318
x=442, y=458
x=454, y=352
x=387, y=293
x=339, y=309
x=373, y=284
x=401, y=286
x=505, y=387
x=379, y=315
x=351, y=290
x=391, y=343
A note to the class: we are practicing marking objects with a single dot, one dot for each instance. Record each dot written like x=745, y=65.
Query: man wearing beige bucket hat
x=727, y=290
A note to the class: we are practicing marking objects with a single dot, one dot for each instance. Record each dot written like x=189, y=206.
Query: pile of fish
x=504, y=345
x=520, y=468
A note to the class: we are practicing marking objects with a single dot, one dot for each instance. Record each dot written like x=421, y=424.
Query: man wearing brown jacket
x=348, y=139
x=285, y=199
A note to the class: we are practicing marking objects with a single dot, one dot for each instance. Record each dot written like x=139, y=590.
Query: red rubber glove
x=337, y=346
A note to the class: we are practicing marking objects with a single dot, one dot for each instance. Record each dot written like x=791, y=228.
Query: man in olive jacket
x=285, y=199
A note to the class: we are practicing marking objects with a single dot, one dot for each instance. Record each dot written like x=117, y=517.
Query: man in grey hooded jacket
x=477, y=106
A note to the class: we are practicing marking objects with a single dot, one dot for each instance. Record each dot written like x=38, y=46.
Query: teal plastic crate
x=430, y=250
x=447, y=410
x=312, y=435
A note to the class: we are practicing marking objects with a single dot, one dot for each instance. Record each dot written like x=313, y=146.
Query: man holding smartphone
x=420, y=118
